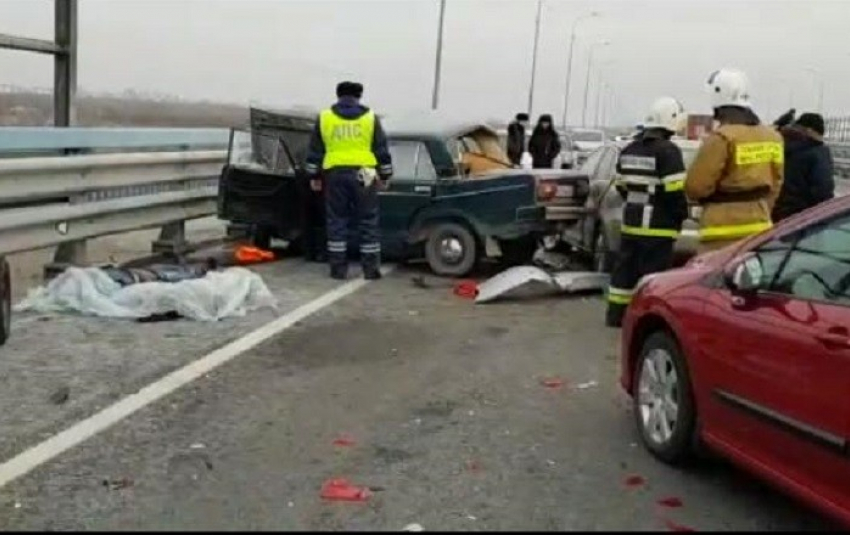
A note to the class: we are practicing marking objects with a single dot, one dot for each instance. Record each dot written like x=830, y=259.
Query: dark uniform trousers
x=638, y=256
x=348, y=200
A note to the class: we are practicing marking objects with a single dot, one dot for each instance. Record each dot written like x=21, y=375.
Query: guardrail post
x=172, y=239
x=67, y=254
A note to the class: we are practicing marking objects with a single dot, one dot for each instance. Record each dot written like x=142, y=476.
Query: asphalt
x=443, y=401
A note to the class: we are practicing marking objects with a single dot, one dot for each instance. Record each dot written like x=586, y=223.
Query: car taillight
x=546, y=191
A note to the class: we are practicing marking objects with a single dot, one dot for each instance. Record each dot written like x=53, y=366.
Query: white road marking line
x=54, y=446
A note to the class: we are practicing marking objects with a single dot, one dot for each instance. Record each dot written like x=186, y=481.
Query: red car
x=746, y=351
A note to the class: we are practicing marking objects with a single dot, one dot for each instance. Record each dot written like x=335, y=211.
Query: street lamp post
x=570, y=64
x=438, y=64
x=534, y=56
x=587, y=78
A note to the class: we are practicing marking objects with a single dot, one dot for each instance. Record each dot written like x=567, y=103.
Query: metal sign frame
x=64, y=51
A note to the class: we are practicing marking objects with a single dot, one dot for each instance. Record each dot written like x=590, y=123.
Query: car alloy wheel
x=658, y=396
x=451, y=250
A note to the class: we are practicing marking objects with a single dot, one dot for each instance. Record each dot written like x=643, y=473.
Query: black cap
x=812, y=121
x=521, y=116
x=349, y=89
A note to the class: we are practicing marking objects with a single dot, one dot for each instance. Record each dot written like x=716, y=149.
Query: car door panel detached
x=777, y=390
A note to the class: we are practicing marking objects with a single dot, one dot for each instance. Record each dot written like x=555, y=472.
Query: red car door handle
x=834, y=339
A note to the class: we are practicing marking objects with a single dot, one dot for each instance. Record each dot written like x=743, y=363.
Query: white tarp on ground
x=529, y=277
x=90, y=291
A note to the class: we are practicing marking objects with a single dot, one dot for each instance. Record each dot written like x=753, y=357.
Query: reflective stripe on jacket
x=650, y=177
x=348, y=142
x=736, y=177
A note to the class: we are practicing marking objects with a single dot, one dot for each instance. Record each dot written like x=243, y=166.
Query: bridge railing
x=60, y=187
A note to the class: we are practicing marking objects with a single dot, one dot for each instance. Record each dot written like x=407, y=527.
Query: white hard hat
x=729, y=87
x=667, y=113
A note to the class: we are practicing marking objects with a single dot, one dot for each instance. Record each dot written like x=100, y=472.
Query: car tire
x=6, y=303
x=603, y=259
x=451, y=250
x=657, y=402
x=518, y=252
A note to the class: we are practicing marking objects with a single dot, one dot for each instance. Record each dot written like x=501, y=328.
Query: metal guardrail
x=148, y=178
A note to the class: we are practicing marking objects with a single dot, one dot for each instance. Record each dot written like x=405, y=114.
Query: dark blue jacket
x=808, y=174
x=349, y=108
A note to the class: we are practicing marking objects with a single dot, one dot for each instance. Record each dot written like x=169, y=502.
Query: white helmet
x=666, y=113
x=729, y=87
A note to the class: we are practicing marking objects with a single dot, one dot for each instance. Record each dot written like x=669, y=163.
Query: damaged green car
x=454, y=199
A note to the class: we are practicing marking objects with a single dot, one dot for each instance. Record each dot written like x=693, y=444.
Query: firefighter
x=737, y=173
x=349, y=150
x=650, y=175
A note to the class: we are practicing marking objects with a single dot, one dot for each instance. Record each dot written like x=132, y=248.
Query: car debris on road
x=512, y=280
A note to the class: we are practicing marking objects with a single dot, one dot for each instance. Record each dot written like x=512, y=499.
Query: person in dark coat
x=544, y=144
x=808, y=167
x=516, y=138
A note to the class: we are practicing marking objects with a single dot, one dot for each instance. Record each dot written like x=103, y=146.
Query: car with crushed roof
x=454, y=200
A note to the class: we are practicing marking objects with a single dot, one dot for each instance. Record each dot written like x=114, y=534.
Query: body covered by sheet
x=91, y=291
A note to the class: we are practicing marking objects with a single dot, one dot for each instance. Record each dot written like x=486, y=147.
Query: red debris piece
x=473, y=466
x=634, y=481
x=553, y=382
x=343, y=490
x=468, y=289
x=344, y=441
x=672, y=526
x=670, y=501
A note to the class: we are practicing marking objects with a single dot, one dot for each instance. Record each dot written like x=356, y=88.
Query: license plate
x=564, y=191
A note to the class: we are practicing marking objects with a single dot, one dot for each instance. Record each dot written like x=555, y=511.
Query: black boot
x=371, y=263
x=339, y=272
x=614, y=315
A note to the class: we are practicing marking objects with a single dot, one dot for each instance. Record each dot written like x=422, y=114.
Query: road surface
x=441, y=398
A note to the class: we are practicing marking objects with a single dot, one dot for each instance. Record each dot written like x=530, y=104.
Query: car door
x=410, y=189
x=777, y=364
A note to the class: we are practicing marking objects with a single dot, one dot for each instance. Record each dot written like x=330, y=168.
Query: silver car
x=599, y=232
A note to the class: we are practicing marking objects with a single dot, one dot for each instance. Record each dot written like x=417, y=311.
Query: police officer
x=737, y=174
x=349, y=149
x=650, y=175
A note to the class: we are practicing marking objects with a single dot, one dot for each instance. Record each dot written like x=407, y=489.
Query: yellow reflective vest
x=348, y=142
x=736, y=177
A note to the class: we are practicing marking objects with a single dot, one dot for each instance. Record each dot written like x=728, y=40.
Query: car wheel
x=664, y=409
x=603, y=259
x=6, y=304
x=451, y=250
x=518, y=252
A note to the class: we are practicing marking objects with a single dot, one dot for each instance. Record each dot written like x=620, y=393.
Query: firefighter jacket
x=736, y=178
x=651, y=174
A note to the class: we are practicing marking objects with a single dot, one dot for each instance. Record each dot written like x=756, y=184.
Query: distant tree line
x=32, y=108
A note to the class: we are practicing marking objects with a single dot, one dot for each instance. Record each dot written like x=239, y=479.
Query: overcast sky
x=290, y=52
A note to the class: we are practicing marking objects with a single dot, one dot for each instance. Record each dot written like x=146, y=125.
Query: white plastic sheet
x=220, y=294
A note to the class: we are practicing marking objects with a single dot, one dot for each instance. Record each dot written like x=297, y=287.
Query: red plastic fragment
x=473, y=466
x=672, y=526
x=670, y=501
x=344, y=441
x=553, y=382
x=468, y=289
x=343, y=490
x=634, y=481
